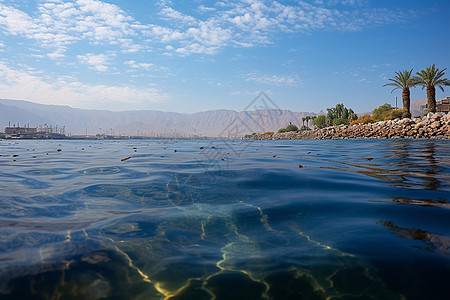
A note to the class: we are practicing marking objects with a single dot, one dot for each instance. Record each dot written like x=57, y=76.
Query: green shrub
x=386, y=112
x=394, y=114
x=340, y=121
x=363, y=120
x=290, y=127
x=321, y=121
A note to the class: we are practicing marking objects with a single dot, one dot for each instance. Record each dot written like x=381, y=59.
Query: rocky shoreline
x=433, y=126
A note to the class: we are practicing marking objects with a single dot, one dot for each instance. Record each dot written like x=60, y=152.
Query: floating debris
x=126, y=158
x=59, y=150
x=274, y=156
x=308, y=152
x=369, y=158
x=174, y=150
x=300, y=166
x=15, y=155
x=201, y=148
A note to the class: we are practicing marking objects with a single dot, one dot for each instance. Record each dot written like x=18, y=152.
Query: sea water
x=224, y=219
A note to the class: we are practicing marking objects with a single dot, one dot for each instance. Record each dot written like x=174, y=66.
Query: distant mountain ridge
x=214, y=123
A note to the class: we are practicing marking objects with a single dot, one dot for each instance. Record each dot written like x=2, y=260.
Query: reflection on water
x=440, y=202
x=433, y=168
x=435, y=242
x=84, y=224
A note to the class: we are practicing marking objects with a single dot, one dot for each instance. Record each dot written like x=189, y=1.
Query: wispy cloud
x=136, y=65
x=252, y=22
x=277, y=80
x=31, y=85
x=98, y=61
x=59, y=24
x=171, y=14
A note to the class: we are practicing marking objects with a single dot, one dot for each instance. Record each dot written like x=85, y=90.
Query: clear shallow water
x=235, y=220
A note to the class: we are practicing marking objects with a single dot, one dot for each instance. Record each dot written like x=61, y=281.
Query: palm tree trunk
x=406, y=103
x=431, y=98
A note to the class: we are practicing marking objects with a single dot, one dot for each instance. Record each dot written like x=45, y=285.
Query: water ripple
x=224, y=219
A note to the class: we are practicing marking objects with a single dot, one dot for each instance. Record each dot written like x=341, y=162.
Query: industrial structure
x=27, y=132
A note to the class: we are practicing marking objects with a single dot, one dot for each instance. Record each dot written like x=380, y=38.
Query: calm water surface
x=231, y=220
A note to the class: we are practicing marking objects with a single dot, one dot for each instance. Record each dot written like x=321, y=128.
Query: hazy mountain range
x=146, y=122
x=212, y=123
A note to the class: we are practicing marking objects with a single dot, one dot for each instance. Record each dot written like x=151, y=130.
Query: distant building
x=442, y=105
x=20, y=130
x=27, y=132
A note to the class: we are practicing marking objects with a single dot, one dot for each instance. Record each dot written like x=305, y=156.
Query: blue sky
x=190, y=56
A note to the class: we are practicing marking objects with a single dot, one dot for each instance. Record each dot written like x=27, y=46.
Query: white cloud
x=276, y=80
x=253, y=22
x=346, y=2
x=135, y=65
x=170, y=13
x=204, y=8
x=59, y=24
x=58, y=53
x=33, y=86
x=98, y=61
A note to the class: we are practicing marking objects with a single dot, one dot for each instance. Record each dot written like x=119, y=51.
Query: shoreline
x=433, y=126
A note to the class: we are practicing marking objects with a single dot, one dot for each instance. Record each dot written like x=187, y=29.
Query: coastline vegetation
x=339, y=115
x=403, y=81
x=290, y=127
x=382, y=113
x=428, y=78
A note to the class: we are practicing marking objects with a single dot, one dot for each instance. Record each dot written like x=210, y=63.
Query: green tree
x=429, y=78
x=403, y=81
x=340, y=115
x=321, y=121
x=386, y=112
x=381, y=112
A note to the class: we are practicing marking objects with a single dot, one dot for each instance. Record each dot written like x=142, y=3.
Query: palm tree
x=429, y=78
x=403, y=80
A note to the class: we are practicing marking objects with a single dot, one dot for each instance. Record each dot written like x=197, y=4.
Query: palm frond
x=431, y=76
x=401, y=80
